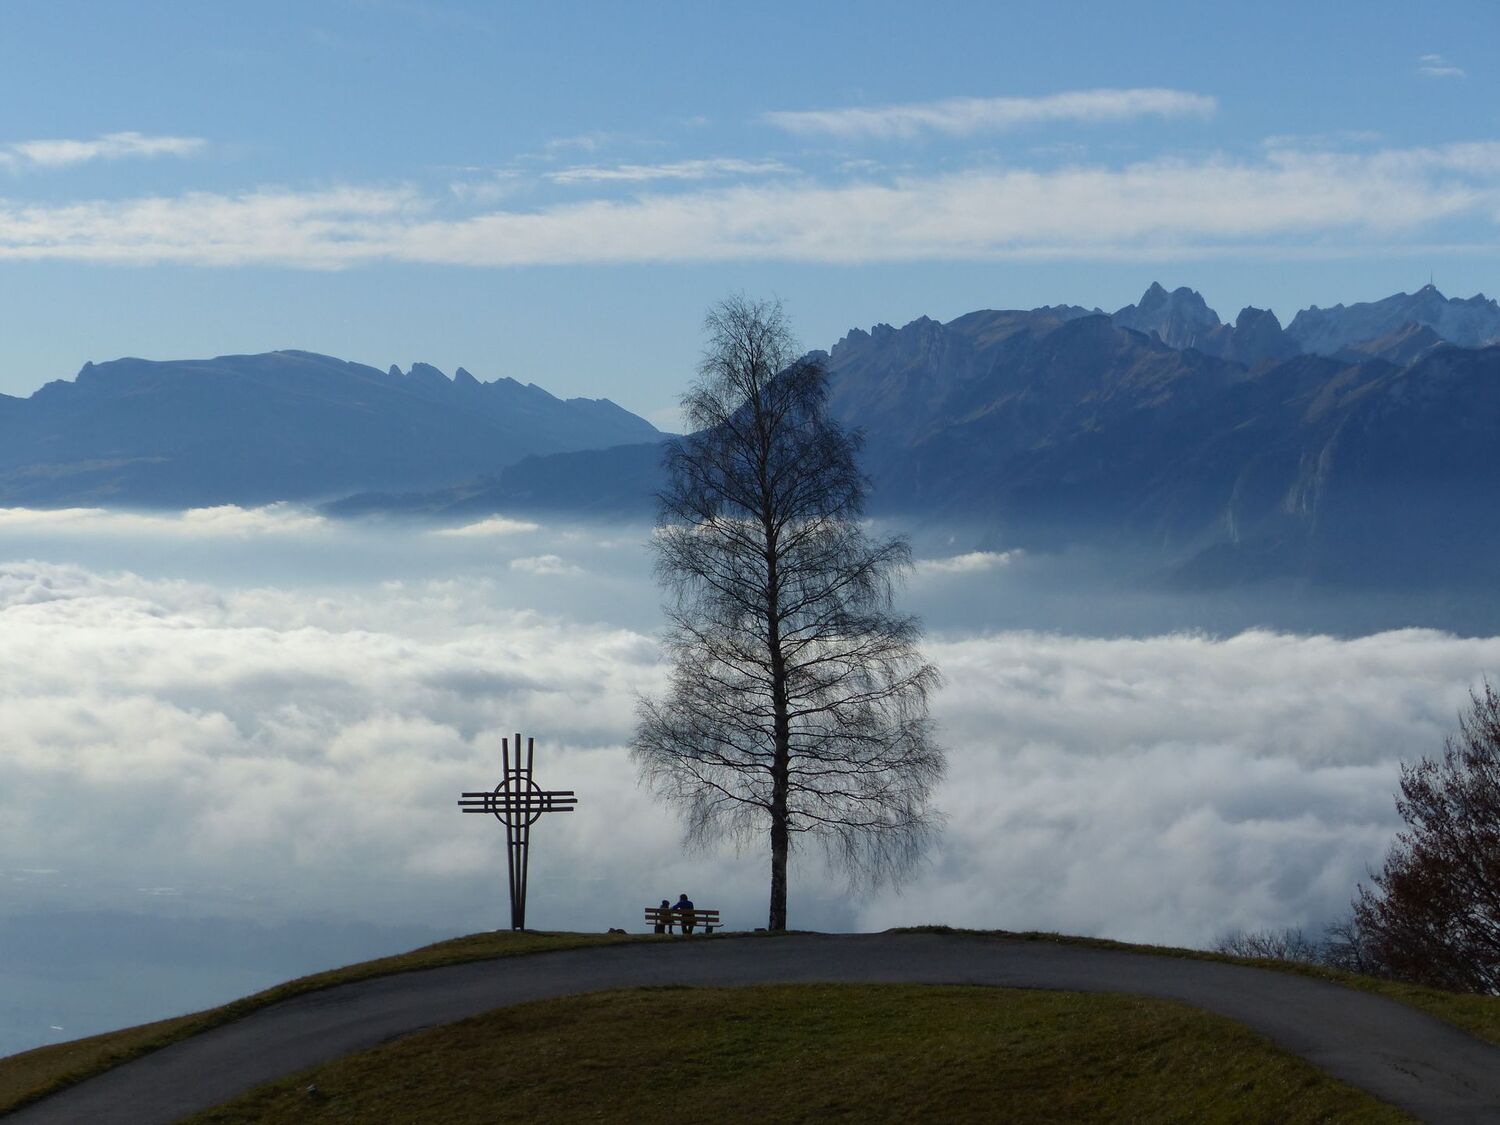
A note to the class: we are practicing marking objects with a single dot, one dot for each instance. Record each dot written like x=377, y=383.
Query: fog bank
x=273, y=724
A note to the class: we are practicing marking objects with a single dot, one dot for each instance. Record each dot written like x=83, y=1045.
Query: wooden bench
x=687, y=919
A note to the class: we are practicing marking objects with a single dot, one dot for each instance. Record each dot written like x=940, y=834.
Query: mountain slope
x=1056, y=426
x=1225, y=452
x=283, y=425
x=1470, y=323
x=1003, y=413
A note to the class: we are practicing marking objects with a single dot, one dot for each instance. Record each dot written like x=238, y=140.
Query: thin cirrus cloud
x=1282, y=202
x=973, y=562
x=710, y=169
x=223, y=521
x=961, y=117
x=63, y=153
x=546, y=566
x=487, y=528
x=1435, y=66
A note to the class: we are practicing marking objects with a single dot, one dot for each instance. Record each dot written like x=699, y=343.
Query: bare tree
x=1346, y=946
x=1271, y=945
x=798, y=699
x=1433, y=914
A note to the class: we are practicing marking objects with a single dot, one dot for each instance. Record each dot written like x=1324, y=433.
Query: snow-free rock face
x=1179, y=319
x=1471, y=323
x=280, y=426
x=1045, y=429
x=1255, y=337
x=1228, y=449
x=1361, y=467
x=1404, y=346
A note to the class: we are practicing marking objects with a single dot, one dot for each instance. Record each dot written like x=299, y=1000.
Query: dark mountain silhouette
x=1224, y=452
x=1057, y=426
x=283, y=425
x=1255, y=337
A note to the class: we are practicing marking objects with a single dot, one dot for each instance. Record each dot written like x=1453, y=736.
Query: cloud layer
x=225, y=520
x=960, y=117
x=279, y=751
x=676, y=170
x=62, y=153
x=1282, y=202
x=971, y=562
x=1435, y=66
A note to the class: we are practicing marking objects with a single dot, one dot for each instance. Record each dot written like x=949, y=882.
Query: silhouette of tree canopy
x=797, y=706
x=1433, y=914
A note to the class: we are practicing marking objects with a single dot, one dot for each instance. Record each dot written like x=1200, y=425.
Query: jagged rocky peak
x=1179, y=319
x=851, y=341
x=1257, y=336
x=1470, y=323
x=883, y=334
x=1252, y=319
x=426, y=373
x=462, y=378
x=1068, y=312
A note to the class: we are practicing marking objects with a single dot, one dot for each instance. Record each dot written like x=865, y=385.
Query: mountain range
x=287, y=425
x=1357, y=443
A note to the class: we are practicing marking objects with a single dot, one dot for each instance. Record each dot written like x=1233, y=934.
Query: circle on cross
x=508, y=801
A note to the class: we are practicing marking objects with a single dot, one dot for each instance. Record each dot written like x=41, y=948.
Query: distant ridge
x=1226, y=453
x=1182, y=319
x=282, y=425
x=1351, y=446
x=1471, y=323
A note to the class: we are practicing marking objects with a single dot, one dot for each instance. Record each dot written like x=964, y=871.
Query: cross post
x=518, y=802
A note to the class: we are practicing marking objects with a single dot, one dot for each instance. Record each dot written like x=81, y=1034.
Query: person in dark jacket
x=684, y=909
x=664, y=918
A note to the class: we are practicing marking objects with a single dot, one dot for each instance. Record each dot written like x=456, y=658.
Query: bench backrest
x=695, y=917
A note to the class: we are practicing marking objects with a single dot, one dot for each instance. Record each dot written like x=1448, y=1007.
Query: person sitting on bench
x=664, y=919
x=684, y=907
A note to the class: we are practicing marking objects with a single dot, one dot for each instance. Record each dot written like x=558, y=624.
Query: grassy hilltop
x=861, y=1052
x=815, y=1053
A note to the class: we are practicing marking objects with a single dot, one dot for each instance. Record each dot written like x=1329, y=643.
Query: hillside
x=821, y=1052
x=843, y=990
x=280, y=426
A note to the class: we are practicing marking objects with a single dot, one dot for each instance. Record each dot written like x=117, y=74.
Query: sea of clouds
x=258, y=718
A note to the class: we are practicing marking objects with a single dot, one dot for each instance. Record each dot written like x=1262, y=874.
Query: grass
x=34, y=1074
x=1478, y=1015
x=865, y=1053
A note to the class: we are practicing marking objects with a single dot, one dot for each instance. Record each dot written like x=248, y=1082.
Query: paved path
x=1398, y=1054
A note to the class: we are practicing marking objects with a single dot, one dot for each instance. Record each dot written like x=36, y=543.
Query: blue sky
x=556, y=192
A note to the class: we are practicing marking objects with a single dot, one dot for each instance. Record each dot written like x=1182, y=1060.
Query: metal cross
x=518, y=802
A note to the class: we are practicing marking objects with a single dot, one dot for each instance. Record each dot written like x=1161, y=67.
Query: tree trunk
x=780, y=839
x=781, y=762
